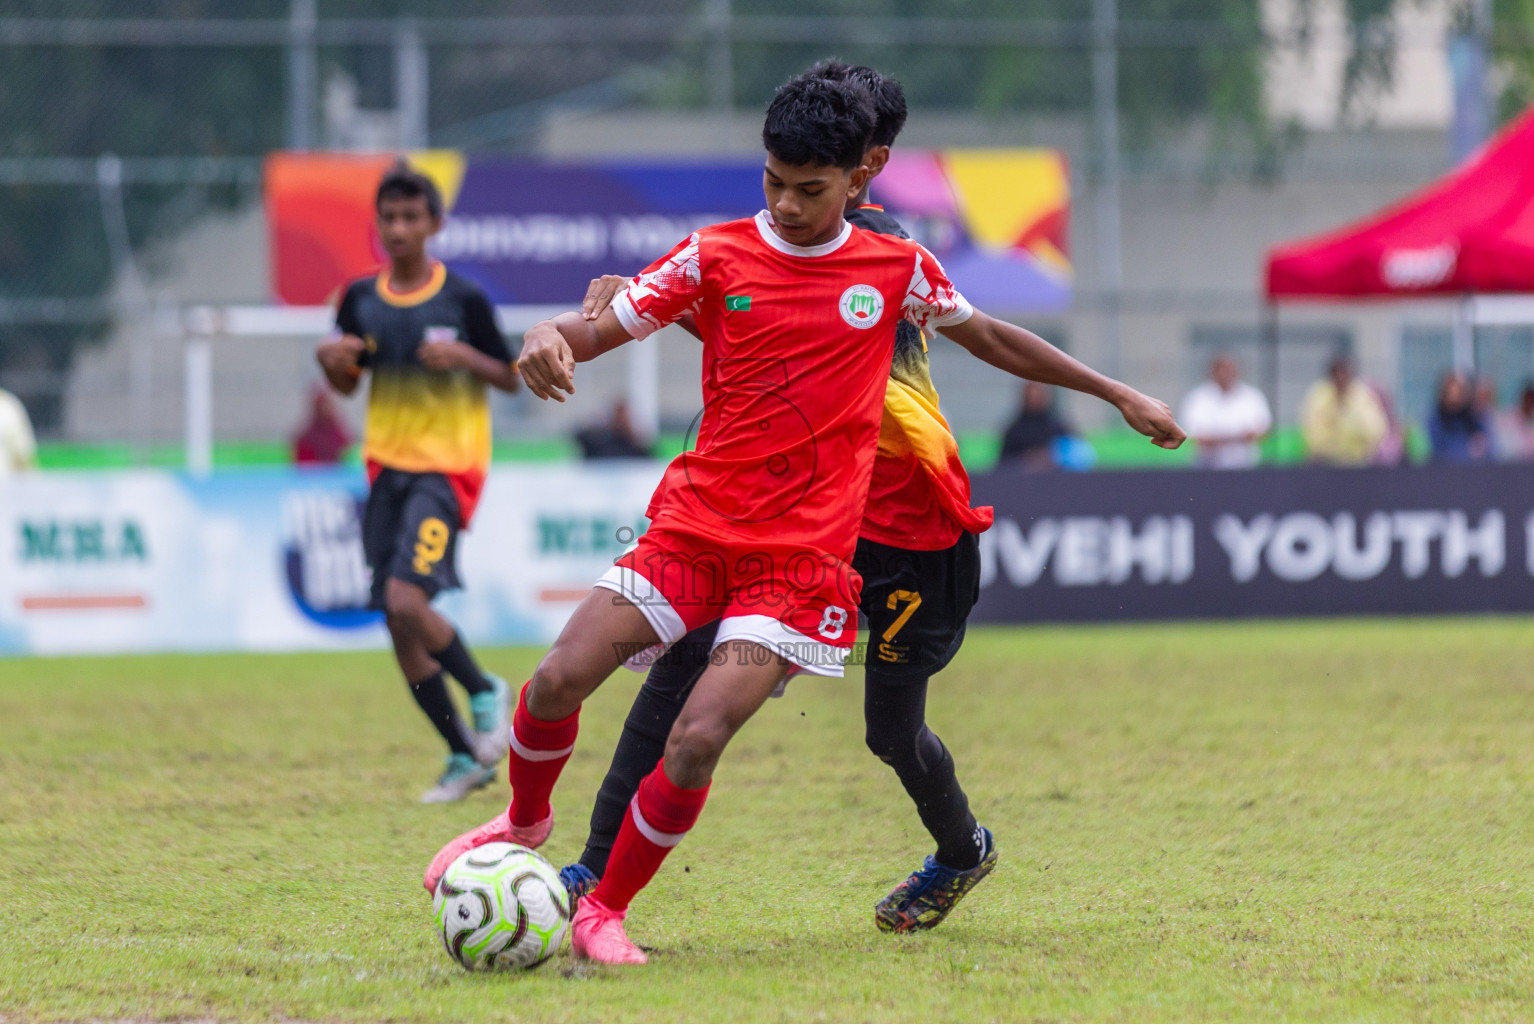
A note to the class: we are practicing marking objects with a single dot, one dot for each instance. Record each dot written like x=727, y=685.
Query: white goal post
x=201, y=326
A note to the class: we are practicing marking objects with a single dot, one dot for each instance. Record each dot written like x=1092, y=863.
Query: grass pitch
x=1237, y=822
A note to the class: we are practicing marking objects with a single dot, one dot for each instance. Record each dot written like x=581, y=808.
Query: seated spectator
x=1343, y=423
x=1456, y=432
x=1226, y=417
x=1032, y=438
x=1515, y=428
x=614, y=439
x=18, y=446
x=323, y=440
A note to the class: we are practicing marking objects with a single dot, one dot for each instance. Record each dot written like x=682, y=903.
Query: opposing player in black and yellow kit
x=430, y=340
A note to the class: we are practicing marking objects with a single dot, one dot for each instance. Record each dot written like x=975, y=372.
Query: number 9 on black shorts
x=410, y=532
x=916, y=604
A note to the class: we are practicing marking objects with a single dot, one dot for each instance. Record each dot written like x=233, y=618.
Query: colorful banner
x=535, y=233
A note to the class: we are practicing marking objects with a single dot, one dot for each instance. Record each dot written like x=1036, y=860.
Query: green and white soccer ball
x=501, y=906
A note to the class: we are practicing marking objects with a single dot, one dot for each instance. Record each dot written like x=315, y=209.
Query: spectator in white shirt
x=1226, y=417
x=18, y=448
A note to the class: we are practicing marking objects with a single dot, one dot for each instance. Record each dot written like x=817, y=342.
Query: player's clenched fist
x=446, y=355
x=1151, y=417
x=341, y=353
x=340, y=357
x=547, y=364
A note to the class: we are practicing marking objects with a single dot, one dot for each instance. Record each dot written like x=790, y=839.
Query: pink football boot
x=597, y=934
x=498, y=829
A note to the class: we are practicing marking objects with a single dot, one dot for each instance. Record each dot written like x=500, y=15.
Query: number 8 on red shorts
x=794, y=601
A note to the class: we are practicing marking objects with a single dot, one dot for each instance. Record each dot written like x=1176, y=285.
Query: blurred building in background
x=1197, y=137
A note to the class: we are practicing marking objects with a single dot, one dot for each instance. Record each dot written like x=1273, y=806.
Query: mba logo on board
x=82, y=542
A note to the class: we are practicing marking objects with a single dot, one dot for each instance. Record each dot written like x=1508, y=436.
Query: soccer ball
x=501, y=906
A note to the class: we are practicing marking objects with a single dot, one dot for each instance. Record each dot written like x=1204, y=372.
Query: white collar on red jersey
x=772, y=238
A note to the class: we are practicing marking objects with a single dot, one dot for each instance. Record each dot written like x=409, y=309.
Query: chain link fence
x=126, y=128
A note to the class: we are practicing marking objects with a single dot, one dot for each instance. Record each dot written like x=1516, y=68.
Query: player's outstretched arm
x=1024, y=354
x=551, y=348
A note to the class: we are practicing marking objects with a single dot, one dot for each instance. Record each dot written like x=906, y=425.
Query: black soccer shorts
x=410, y=532
x=917, y=604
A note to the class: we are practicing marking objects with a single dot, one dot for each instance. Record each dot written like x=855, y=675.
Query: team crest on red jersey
x=861, y=306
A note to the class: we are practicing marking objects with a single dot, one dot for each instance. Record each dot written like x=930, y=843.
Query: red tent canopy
x=1472, y=231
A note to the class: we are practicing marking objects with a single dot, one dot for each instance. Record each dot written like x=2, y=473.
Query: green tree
x=70, y=101
x=1513, y=50
x=1184, y=63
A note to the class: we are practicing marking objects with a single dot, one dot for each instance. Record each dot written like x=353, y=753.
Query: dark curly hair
x=817, y=121
x=885, y=92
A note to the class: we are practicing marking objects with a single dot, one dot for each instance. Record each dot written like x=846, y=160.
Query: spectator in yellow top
x=1342, y=420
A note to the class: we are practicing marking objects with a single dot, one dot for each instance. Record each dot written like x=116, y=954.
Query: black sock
x=431, y=694
x=894, y=714
x=643, y=743
x=459, y=663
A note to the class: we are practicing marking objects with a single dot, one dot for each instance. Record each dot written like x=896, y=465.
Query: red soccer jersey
x=797, y=344
x=919, y=496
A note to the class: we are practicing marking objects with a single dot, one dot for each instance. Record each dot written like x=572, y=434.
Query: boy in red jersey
x=918, y=556
x=754, y=528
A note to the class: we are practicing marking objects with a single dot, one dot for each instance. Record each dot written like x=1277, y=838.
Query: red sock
x=660, y=814
x=539, y=751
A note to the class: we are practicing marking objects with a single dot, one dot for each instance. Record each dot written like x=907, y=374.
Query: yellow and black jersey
x=918, y=499
x=420, y=420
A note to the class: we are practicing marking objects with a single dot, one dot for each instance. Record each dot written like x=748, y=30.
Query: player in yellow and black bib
x=430, y=341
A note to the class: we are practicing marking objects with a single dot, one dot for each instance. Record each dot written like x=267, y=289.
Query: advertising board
x=272, y=560
x=262, y=560
x=1267, y=542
